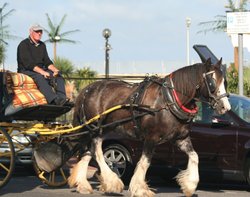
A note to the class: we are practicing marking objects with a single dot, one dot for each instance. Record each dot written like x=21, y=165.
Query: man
x=33, y=60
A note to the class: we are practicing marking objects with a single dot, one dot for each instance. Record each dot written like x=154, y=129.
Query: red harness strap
x=191, y=111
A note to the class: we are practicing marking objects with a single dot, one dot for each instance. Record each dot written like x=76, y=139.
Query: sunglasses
x=39, y=31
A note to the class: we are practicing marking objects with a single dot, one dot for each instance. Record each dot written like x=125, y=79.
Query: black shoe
x=69, y=103
x=59, y=101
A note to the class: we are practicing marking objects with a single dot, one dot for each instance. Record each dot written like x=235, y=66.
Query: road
x=30, y=186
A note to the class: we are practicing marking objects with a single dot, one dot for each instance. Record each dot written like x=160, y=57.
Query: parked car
x=221, y=141
x=23, y=150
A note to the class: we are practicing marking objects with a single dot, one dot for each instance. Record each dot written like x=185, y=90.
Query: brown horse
x=156, y=111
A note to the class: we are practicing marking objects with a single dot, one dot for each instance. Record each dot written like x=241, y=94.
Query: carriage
x=37, y=124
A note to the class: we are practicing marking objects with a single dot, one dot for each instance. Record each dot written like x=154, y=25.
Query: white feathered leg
x=109, y=180
x=138, y=187
x=78, y=176
x=188, y=179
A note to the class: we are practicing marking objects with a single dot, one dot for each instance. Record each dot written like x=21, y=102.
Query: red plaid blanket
x=25, y=90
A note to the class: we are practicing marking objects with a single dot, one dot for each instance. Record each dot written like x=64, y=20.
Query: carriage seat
x=27, y=102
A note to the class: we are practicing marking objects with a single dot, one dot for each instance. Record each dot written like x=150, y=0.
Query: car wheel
x=119, y=160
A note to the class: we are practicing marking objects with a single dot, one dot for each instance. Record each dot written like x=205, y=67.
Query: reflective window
x=241, y=106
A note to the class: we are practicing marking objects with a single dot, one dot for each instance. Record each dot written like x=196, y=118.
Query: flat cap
x=36, y=27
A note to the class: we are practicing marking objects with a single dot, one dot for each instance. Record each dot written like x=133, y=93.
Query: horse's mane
x=186, y=78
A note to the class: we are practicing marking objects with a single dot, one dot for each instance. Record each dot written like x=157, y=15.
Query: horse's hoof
x=112, y=184
x=84, y=190
x=141, y=191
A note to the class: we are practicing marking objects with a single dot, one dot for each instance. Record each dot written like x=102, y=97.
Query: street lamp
x=106, y=34
x=55, y=40
x=188, y=23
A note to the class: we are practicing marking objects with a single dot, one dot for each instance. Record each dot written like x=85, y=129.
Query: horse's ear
x=220, y=61
x=208, y=61
x=218, y=64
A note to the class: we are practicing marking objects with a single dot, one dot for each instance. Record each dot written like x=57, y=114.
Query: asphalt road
x=23, y=185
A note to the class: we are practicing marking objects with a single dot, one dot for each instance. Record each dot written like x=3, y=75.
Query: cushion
x=28, y=97
x=25, y=92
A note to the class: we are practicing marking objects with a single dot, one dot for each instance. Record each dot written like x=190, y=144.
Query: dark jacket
x=30, y=55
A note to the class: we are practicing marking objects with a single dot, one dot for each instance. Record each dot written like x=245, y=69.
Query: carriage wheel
x=55, y=178
x=7, y=157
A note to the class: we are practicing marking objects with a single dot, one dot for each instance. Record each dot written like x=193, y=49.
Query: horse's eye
x=211, y=83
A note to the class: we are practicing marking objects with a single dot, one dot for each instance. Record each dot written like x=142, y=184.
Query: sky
x=148, y=36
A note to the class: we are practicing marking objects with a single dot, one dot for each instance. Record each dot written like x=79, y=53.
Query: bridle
x=210, y=83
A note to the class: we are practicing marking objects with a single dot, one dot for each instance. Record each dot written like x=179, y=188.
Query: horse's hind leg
x=189, y=178
x=78, y=175
x=138, y=187
x=109, y=180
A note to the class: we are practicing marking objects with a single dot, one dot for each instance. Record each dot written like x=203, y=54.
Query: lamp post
x=106, y=34
x=188, y=23
x=56, y=39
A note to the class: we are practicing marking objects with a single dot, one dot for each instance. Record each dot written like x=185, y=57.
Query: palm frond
x=68, y=41
x=69, y=32
x=51, y=25
x=219, y=24
x=61, y=23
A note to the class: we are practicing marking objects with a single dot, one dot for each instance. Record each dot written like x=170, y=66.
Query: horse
x=156, y=111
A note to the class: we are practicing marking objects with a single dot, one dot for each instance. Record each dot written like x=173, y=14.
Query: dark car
x=221, y=141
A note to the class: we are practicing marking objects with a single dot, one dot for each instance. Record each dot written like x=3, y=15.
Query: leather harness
x=172, y=101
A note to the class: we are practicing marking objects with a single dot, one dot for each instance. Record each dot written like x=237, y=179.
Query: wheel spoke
x=4, y=167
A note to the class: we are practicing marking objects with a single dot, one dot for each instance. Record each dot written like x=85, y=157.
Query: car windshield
x=241, y=106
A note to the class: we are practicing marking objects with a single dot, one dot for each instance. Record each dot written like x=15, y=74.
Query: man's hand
x=54, y=70
x=55, y=73
x=42, y=72
x=45, y=74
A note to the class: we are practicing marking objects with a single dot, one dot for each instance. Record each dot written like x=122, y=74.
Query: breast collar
x=174, y=103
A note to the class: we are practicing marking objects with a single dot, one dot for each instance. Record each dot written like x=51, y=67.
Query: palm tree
x=65, y=66
x=55, y=35
x=87, y=76
x=219, y=24
x=4, y=32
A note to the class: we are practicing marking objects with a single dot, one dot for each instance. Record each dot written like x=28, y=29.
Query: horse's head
x=213, y=87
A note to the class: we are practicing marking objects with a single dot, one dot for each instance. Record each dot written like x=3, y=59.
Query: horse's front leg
x=138, y=186
x=109, y=180
x=188, y=179
x=78, y=175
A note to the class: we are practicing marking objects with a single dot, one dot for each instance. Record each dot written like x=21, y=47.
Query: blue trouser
x=44, y=85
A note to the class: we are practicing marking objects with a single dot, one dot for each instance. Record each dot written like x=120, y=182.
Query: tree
x=219, y=24
x=4, y=31
x=65, y=66
x=55, y=35
x=88, y=75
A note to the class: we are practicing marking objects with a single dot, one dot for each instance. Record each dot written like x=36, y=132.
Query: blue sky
x=148, y=36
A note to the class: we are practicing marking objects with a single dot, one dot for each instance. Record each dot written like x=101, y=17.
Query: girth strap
x=135, y=99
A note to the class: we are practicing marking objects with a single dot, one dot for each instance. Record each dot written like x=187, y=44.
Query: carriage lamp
x=106, y=34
